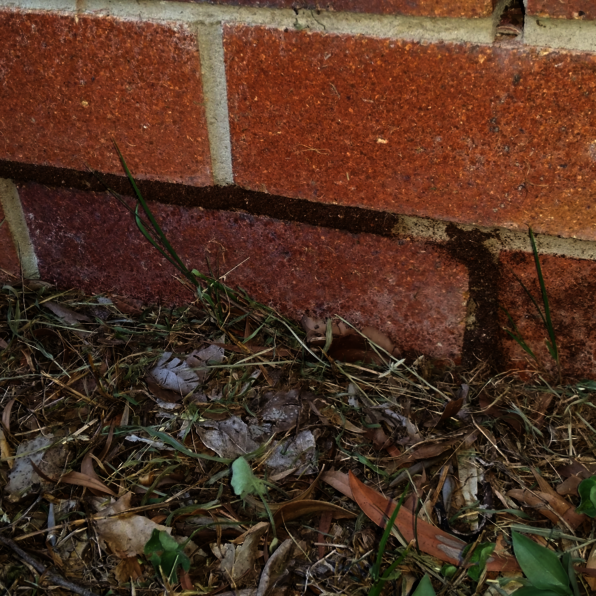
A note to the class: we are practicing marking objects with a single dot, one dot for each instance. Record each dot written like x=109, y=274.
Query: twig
x=52, y=577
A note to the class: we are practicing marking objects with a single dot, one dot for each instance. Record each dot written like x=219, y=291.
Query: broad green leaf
x=244, y=482
x=587, y=492
x=167, y=542
x=153, y=544
x=532, y=591
x=540, y=565
x=480, y=556
x=425, y=588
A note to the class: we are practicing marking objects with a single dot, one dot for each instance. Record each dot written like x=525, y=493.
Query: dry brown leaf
x=5, y=450
x=338, y=421
x=591, y=564
x=79, y=479
x=569, y=486
x=66, y=314
x=126, y=534
x=275, y=568
x=294, y=510
x=425, y=451
x=538, y=499
x=128, y=569
x=432, y=540
x=238, y=561
x=6, y=414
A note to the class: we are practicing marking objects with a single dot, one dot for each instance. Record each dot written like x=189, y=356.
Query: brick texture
x=562, y=9
x=571, y=285
x=471, y=134
x=9, y=260
x=412, y=291
x=423, y=8
x=68, y=85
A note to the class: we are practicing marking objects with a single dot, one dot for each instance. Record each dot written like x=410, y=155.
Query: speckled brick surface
x=423, y=8
x=413, y=291
x=493, y=136
x=68, y=85
x=9, y=261
x=571, y=286
x=562, y=9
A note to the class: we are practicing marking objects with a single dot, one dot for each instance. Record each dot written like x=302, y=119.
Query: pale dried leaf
x=276, y=567
x=66, y=314
x=126, y=534
x=174, y=375
x=37, y=451
x=229, y=438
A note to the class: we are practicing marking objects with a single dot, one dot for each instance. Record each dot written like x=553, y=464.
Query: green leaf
x=425, y=588
x=153, y=544
x=532, y=591
x=587, y=492
x=244, y=482
x=479, y=558
x=540, y=565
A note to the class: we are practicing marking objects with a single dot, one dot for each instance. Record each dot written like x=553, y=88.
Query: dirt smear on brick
x=482, y=337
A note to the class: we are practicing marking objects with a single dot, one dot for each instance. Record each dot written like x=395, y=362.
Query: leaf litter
x=225, y=450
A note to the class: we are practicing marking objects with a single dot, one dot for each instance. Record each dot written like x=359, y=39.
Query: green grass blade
x=548, y=322
x=181, y=266
x=517, y=336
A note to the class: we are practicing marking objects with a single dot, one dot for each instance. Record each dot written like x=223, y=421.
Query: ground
x=220, y=447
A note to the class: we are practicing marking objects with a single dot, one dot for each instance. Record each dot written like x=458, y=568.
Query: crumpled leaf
x=281, y=410
x=181, y=377
x=126, y=534
x=347, y=344
x=174, y=375
x=295, y=453
x=275, y=568
x=36, y=452
x=66, y=314
x=238, y=561
x=229, y=438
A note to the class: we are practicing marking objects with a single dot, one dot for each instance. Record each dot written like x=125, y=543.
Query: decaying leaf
x=229, y=438
x=431, y=540
x=295, y=453
x=174, y=375
x=275, y=568
x=126, y=534
x=238, y=561
x=36, y=452
x=66, y=314
x=281, y=409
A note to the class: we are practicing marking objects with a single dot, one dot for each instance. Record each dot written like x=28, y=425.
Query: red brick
x=562, y=9
x=482, y=135
x=571, y=286
x=413, y=291
x=71, y=84
x=422, y=8
x=9, y=260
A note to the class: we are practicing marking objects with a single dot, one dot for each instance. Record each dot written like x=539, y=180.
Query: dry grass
x=84, y=384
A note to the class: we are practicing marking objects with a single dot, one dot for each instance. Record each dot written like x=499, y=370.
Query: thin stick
x=52, y=577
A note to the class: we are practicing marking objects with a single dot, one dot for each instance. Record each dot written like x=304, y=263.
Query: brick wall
x=377, y=159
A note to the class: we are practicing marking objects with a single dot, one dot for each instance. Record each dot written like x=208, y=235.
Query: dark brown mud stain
x=482, y=337
x=228, y=198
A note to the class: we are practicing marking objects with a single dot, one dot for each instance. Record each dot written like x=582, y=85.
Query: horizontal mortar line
x=561, y=34
x=414, y=28
x=356, y=220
